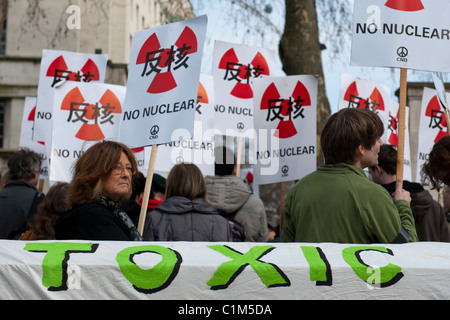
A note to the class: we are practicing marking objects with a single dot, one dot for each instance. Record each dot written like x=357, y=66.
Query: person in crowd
x=446, y=202
x=101, y=181
x=48, y=211
x=436, y=170
x=337, y=202
x=20, y=197
x=156, y=197
x=185, y=214
x=234, y=199
x=430, y=220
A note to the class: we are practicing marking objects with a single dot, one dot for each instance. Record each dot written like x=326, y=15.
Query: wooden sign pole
x=148, y=185
x=401, y=123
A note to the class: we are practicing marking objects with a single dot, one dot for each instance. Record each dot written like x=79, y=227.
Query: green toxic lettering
x=151, y=280
x=319, y=267
x=54, y=265
x=383, y=277
x=269, y=273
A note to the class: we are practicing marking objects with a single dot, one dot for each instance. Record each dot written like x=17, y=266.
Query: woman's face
x=117, y=185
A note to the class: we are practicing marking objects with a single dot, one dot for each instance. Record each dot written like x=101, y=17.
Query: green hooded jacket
x=338, y=203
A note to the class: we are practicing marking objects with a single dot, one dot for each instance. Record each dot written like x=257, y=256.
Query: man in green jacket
x=337, y=202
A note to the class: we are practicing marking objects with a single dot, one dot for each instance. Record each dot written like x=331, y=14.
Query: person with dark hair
x=337, y=202
x=19, y=198
x=156, y=197
x=48, y=211
x=234, y=199
x=185, y=214
x=436, y=170
x=101, y=181
x=429, y=217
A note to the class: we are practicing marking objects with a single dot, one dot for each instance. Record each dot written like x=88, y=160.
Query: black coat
x=181, y=219
x=18, y=202
x=90, y=221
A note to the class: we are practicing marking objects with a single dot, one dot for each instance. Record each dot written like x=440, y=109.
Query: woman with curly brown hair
x=101, y=181
x=48, y=211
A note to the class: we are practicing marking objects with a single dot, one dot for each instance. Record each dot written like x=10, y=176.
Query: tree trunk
x=300, y=53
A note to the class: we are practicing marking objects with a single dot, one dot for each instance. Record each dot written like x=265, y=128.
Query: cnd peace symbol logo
x=240, y=126
x=285, y=171
x=154, y=130
x=402, y=52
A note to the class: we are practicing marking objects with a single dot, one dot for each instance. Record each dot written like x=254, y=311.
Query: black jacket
x=90, y=221
x=18, y=202
x=181, y=219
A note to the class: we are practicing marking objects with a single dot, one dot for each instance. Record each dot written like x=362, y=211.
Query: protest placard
x=285, y=124
x=432, y=126
x=401, y=34
x=26, y=136
x=162, y=86
x=57, y=69
x=392, y=136
x=83, y=115
x=405, y=35
x=234, y=68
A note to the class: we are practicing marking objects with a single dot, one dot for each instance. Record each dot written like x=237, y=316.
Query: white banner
x=223, y=271
x=285, y=124
x=83, y=115
x=432, y=126
x=58, y=68
x=162, y=87
x=234, y=68
x=26, y=135
x=411, y=34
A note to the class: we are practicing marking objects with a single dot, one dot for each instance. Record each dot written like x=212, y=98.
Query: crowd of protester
x=338, y=202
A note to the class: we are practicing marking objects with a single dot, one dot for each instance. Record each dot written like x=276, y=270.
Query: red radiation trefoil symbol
x=285, y=110
x=31, y=117
x=392, y=128
x=242, y=73
x=405, y=5
x=374, y=102
x=91, y=115
x=164, y=61
x=437, y=118
x=202, y=97
x=59, y=71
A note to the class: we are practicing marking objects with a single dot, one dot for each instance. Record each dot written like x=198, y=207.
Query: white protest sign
x=411, y=34
x=26, y=135
x=392, y=137
x=432, y=126
x=58, y=68
x=116, y=270
x=162, y=87
x=200, y=148
x=234, y=67
x=285, y=124
x=83, y=115
x=365, y=94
